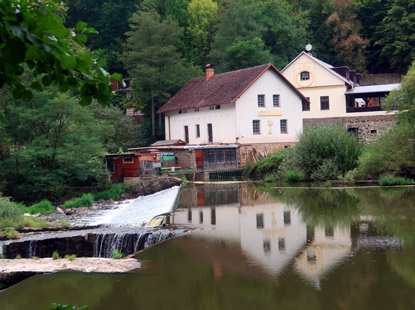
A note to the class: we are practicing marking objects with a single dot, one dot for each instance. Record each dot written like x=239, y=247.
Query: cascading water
x=123, y=231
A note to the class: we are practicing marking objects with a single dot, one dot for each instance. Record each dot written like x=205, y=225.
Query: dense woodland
x=50, y=144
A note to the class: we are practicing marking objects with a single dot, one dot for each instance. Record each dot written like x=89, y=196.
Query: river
x=258, y=247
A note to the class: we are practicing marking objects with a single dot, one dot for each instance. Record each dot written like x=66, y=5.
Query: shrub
x=10, y=213
x=391, y=180
x=18, y=256
x=43, y=207
x=68, y=307
x=113, y=192
x=321, y=149
x=86, y=200
x=55, y=255
x=1, y=256
x=117, y=255
x=270, y=177
x=35, y=257
x=249, y=169
x=294, y=175
x=271, y=163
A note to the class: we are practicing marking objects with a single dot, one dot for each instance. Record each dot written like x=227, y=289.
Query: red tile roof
x=223, y=88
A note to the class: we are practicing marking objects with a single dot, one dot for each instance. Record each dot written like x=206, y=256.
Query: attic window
x=127, y=160
x=217, y=107
x=304, y=76
x=196, y=109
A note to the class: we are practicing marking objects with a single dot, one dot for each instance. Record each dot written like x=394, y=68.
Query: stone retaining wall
x=247, y=151
x=367, y=128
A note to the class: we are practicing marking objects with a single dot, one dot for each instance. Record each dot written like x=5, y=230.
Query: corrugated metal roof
x=372, y=89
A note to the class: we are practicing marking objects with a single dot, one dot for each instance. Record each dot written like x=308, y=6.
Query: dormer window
x=304, y=76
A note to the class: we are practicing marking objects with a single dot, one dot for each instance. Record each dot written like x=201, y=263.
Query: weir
x=89, y=243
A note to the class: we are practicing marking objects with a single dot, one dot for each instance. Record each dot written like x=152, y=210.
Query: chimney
x=210, y=71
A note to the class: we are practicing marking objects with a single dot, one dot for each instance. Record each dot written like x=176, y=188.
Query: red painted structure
x=122, y=166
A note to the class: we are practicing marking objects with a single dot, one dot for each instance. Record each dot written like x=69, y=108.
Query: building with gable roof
x=254, y=109
x=339, y=95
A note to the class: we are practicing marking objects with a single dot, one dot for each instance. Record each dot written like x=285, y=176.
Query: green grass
x=70, y=257
x=35, y=258
x=86, y=200
x=114, y=192
x=43, y=207
x=18, y=256
x=10, y=213
x=117, y=255
x=55, y=255
x=1, y=256
x=270, y=177
x=388, y=180
x=10, y=233
x=34, y=222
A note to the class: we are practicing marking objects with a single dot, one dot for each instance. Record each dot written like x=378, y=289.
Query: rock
x=59, y=211
x=116, y=202
x=27, y=214
x=69, y=211
x=36, y=215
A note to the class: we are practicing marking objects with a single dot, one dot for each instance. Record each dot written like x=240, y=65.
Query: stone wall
x=246, y=152
x=186, y=158
x=379, y=79
x=367, y=128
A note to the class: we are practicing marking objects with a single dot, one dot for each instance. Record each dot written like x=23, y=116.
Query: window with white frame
x=256, y=130
x=276, y=100
x=261, y=101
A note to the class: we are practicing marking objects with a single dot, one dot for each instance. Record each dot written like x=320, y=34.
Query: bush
x=70, y=257
x=55, y=255
x=391, y=180
x=117, y=255
x=270, y=177
x=271, y=163
x=34, y=222
x=43, y=207
x=10, y=213
x=113, y=192
x=86, y=200
x=391, y=154
x=325, y=152
x=1, y=256
x=10, y=233
x=294, y=176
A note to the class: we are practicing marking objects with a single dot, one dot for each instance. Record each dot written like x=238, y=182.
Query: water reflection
x=260, y=248
x=312, y=231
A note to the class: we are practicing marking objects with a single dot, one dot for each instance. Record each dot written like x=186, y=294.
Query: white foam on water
x=139, y=211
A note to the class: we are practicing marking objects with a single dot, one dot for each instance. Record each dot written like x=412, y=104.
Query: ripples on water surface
x=259, y=248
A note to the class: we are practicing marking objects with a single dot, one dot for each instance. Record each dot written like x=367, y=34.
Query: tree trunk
x=153, y=115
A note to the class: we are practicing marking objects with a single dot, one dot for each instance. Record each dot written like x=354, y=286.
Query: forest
x=50, y=143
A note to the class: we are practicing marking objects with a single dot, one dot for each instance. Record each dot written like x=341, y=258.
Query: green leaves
x=32, y=33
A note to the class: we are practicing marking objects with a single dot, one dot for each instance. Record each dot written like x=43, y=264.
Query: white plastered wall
x=222, y=120
x=247, y=110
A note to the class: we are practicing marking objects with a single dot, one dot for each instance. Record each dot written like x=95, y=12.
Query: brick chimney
x=210, y=71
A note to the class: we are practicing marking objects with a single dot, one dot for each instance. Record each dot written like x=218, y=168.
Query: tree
x=272, y=21
x=153, y=62
x=246, y=54
x=199, y=32
x=347, y=41
x=397, y=38
x=52, y=143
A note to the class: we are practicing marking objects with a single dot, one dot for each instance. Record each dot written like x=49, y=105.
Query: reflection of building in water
x=269, y=233
x=329, y=246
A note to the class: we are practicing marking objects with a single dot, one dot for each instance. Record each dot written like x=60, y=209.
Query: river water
x=259, y=248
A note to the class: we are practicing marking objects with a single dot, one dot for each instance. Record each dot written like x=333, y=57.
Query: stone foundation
x=252, y=152
x=368, y=128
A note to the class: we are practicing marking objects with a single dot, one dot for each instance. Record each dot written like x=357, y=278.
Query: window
x=217, y=107
x=256, y=127
x=281, y=244
x=261, y=101
x=260, y=221
x=127, y=160
x=211, y=107
x=196, y=109
x=324, y=103
x=266, y=245
x=287, y=218
x=110, y=164
x=197, y=131
x=304, y=76
x=276, y=100
x=283, y=126
x=306, y=104
x=210, y=132
x=201, y=217
x=186, y=134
